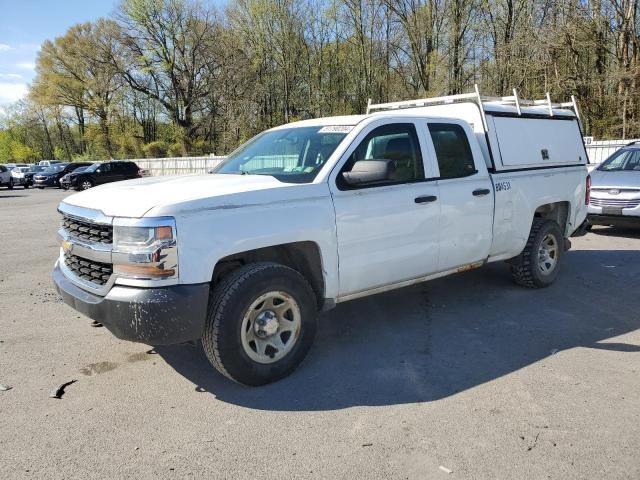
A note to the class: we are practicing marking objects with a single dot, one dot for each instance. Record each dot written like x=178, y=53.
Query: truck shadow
x=430, y=341
x=617, y=232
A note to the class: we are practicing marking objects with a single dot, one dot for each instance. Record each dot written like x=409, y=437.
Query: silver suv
x=615, y=189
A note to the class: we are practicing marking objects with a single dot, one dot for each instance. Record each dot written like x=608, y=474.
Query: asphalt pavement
x=466, y=377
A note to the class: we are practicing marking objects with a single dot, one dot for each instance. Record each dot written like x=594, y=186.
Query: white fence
x=598, y=151
x=178, y=165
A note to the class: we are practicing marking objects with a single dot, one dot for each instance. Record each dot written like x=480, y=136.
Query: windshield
x=54, y=169
x=292, y=155
x=37, y=168
x=622, y=160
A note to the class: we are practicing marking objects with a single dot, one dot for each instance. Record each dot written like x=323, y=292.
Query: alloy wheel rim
x=86, y=185
x=270, y=328
x=548, y=254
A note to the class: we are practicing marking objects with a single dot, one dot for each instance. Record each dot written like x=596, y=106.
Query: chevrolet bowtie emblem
x=67, y=246
x=614, y=191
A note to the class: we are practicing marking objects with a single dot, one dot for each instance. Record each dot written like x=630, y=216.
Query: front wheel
x=537, y=266
x=261, y=323
x=86, y=184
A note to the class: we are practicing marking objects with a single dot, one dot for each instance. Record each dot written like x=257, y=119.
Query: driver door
x=387, y=232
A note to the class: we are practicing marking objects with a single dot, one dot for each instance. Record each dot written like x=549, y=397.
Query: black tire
x=228, y=304
x=10, y=184
x=40, y=188
x=26, y=185
x=525, y=268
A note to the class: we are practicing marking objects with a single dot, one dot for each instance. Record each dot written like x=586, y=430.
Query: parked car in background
x=5, y=177
x=11, y=166
x=33, y=169
x=48, y=163
x=18, y=178
x=615, y=189
x=51, y=176
x=107, y=172
x=65, y=181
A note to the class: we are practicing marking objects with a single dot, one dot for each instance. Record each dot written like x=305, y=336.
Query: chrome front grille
x=87, y=231
x=615, y=202
x=94, y=272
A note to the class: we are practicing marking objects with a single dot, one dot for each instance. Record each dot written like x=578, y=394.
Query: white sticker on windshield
x=336, y=129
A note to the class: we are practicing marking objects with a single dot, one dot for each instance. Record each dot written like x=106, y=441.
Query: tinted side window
x=2, y=169
x=106, y=168
x=397, y=142
x=452, y=149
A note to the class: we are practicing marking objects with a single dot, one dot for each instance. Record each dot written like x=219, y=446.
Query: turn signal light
x=143, y=271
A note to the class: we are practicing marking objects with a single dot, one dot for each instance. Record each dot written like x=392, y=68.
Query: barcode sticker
x=336, y=129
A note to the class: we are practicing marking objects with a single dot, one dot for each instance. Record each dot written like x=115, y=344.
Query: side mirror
x=369, y=171
x=98, y=170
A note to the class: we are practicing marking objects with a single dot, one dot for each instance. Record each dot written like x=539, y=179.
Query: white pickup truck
x=318, y=212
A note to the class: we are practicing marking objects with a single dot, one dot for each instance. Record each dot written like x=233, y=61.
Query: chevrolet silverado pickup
x=318, y=212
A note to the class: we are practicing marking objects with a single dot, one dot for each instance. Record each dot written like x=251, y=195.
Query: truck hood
x=135, y=198
x=627, y=179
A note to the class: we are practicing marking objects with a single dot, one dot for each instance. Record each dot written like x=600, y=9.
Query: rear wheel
x=537, y=266
x=261, y=323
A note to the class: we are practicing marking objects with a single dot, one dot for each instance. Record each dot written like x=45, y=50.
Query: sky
x=25, y=24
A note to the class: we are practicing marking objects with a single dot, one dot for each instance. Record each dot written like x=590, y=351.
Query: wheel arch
x=559, y=212
x=304, y=256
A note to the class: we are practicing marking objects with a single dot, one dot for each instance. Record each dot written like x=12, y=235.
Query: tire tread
x=220, y=296
x=521, y=266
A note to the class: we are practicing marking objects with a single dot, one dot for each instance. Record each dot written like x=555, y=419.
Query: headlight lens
x=145, y=249
x=135, y=238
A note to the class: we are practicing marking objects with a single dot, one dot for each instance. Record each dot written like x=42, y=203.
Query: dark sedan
x=65, y=181
x=100, y=173
x=50, y=177
x=33, y=170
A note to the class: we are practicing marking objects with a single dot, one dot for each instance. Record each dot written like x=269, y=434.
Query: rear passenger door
x=104, y=174
x=119, y=171
x=466, y=196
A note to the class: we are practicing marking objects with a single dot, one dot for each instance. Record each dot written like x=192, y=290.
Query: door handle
x=481, y=192
x=426, y=199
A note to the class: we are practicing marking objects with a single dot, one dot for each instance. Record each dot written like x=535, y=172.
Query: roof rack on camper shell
x=481, y=100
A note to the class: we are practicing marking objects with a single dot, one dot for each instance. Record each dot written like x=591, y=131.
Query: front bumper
x=155, y=316
x=48, y=182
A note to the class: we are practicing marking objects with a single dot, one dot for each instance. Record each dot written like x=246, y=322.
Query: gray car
x=615, y=189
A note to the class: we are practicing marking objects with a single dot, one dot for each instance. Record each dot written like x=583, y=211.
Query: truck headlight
x=145, y=249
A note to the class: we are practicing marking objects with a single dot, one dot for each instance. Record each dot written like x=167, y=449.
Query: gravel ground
x=468, y=374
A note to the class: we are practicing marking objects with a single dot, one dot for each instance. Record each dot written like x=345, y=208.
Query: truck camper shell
x=513, y=133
